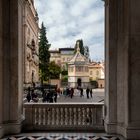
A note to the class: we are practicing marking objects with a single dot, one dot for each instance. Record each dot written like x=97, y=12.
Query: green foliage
x=86, y=52
x=64, y=72
x=80, y=41
x=54, y=70
x=44, y=54
x=65, y=78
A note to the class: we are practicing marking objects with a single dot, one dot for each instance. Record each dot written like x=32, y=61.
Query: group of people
x=31, y=95
x=51, y=95
x=71, y=91
x=68, y=92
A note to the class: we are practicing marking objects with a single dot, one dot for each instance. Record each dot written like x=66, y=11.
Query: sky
x=69, y=20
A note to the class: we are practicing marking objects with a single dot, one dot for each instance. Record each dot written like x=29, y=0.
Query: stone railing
x=64, y=116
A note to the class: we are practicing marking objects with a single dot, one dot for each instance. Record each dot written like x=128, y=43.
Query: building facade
x=67, y=60
x=30, y=43
x=78, y=73
x=62, y=57
x=96, y=73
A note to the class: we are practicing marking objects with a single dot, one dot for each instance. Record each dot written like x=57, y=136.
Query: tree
x=86, y=52
x=44, y=55
x=54, y=70
x=82, y=49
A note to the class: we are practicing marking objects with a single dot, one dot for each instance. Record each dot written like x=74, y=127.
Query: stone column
x=1, y=69
x=110, y=65
x=122, y=99
x=133, y=120
x=11, y=67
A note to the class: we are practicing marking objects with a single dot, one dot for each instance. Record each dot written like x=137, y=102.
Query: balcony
x=63, y=116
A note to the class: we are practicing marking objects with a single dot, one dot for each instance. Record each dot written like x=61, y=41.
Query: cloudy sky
x=69, y=20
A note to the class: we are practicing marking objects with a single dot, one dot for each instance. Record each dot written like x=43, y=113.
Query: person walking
x=28, y=97
x=87, y=92
x=91, y=92
x=55, y=95
x=72, y=92
x=81, y=92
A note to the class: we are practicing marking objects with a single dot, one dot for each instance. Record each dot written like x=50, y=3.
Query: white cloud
x=69, y=20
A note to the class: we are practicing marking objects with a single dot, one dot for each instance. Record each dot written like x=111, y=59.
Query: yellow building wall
x=94, y=73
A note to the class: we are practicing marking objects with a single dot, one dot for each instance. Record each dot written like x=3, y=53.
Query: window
x=79, y=68
x=71, y=69
x=90, y=72
x=86, y=69
x=97, y=72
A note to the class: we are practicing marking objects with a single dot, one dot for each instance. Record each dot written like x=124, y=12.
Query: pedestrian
x=34, y=96
x=67, y=91
x=28, y=97
x=55, y=95
x=91, y=92
x=87, y=92
x=72, y=92
x=81, y=92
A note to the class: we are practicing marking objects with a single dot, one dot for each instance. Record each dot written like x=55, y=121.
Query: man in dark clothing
x=81, y=92
x=28, y=94
x=71, y=92
x=87, y=92
x=91, y=92
x=55, y=95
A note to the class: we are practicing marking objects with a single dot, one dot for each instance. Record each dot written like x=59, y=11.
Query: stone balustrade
x=63, y=116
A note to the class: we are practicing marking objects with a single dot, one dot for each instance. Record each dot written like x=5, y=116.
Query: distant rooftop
x=61, y=49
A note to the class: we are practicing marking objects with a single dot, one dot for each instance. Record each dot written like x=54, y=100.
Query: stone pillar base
x=130, y=133
x=110, y=128
x=10, y=128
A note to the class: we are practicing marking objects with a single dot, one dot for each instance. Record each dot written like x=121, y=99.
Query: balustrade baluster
x=34, y=115
x=59, y=116
x=76, y=119
x=79, y=116
x=72, y=116
x=62, y=119
x=46, y=116
x=84, y=116
x=57, y=119
x=68, y=116
x=37, y=116
x=99, y=113
x=41, y=116
x=54, y=116
x=49, y=115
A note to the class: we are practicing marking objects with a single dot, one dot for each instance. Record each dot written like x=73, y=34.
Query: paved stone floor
x=63, y=136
